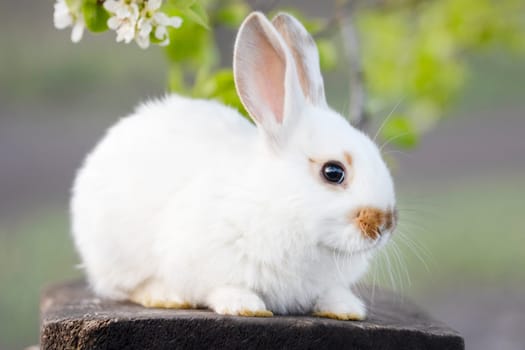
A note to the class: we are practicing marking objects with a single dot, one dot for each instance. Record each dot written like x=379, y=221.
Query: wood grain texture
x=72, y=317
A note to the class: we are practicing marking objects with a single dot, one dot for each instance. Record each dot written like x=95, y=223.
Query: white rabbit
x=186, y=204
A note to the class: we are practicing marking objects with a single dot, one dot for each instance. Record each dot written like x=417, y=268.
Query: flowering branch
x=69, y=16
x=141, y=21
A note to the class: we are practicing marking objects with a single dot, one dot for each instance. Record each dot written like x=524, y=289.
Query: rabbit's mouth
x=349, y=253
x=339, y=252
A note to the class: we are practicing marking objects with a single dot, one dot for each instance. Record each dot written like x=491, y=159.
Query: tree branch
x=357, y=113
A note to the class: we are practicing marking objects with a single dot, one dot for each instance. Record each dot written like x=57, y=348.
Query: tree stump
x=73, y=318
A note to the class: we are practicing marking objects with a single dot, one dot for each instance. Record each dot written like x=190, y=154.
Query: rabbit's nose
x=373, y=221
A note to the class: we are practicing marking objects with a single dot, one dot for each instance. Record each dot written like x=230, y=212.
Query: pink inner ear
x=260, y=72
x=270, y=74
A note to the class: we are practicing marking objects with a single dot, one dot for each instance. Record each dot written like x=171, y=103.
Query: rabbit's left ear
x=266, y=78
x=306, y=57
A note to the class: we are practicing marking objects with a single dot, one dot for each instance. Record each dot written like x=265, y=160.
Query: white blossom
x=124, y=19
x=64, y=17
x=144, y=29
x=162, y=21
x=78, y=30
x=136, y=20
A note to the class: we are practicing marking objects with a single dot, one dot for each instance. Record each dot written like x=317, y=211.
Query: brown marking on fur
x=166, y=304
x=255, y=313
x=373, y=222
x=142, y=295
x=348, y=158
x=369, y=220
x=149, y=302
x=349, y=171
x=339, y=316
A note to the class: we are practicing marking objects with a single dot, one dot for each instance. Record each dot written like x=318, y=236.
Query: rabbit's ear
x=266, y=77
x=306, y=56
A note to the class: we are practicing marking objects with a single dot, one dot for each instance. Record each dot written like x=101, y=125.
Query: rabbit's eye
x=333, y=172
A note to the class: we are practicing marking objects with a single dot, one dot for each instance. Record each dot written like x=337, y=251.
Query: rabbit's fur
x=186, y=204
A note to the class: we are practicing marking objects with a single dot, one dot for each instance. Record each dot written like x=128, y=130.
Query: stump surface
x=72, y=317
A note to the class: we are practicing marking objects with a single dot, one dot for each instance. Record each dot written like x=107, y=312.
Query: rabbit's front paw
x=345, y=316
x=154, y=295
x=340, y=304
x=237, y=302
x=151, y=302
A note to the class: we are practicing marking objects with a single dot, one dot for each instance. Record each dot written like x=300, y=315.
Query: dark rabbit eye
x=333, y=172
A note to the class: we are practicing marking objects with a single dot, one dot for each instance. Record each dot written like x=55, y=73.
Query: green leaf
x=95, y=16
x=399, y=131
x=220, y=86
x=193, y=45
x=196, y=13
x=232, y=15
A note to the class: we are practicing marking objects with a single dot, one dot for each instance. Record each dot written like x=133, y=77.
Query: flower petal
x=161, y=18
x=77, y=32
x=128, y=32
x=62, y=22
x=62, y=17
x=165, y=42
x=153, y=5
x=144, y=27
x=175, y=22
x=161, y=32
x=142, y=41
x=134, y=11
x=113, y=23
x=111, y=6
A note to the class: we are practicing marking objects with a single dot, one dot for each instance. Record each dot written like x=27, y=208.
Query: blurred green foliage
x=413, y=52
x=417, y=54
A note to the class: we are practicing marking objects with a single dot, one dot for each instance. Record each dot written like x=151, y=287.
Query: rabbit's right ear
x=266, y=77
x=304, y=50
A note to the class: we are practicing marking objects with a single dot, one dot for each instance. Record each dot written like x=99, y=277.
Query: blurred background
x=461, y=248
